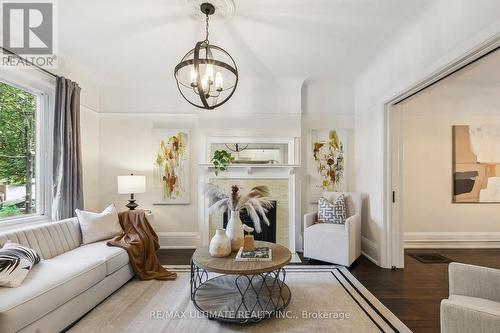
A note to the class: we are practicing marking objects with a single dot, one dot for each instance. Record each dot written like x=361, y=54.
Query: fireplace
x=268, y=233
x=280, y=177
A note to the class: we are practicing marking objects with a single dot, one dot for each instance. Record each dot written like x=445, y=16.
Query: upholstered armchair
x=335, y=243
x=474, y=301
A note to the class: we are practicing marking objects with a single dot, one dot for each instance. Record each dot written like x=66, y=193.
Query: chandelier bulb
x=218, y=82
x=210, y=74
x=194, y=78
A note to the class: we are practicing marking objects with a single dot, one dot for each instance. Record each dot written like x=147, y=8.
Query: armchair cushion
x=335, y=212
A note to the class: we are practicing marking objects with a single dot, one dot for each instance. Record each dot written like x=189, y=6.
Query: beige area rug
x=324, y=299
x=295, y=259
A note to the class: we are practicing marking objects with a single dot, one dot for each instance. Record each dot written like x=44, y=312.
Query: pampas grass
x=256, y=202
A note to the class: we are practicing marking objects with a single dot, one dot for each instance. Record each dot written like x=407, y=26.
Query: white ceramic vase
x=220, y=245
x=235, y=231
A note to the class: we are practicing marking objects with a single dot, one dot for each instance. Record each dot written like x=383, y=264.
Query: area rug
x=295, y=259
x=324, y=299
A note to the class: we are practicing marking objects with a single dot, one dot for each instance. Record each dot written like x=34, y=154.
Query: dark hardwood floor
x=413, y=294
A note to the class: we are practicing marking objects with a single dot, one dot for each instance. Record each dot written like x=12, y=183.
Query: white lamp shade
x=131, y=184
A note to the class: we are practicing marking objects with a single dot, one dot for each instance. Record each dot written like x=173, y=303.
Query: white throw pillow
x=15, y=263
x=99, y=226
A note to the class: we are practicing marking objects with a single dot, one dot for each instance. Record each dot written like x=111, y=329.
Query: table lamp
x=131, y=185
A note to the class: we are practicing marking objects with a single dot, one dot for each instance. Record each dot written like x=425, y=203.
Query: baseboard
x=452, y=240
x=369, y=249
x=179, y=240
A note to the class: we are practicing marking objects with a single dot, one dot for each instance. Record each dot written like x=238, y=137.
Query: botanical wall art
x=171, y=166
x=326, y=162
x=476, y=164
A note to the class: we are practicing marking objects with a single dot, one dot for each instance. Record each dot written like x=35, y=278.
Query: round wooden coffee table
x=243, y=291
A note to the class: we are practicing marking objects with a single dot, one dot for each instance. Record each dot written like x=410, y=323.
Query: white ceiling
x=125, y=41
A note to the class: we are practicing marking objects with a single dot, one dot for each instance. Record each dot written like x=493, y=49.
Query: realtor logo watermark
x=28, y=29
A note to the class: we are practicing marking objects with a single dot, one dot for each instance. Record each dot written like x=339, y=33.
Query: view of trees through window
x=17, y=151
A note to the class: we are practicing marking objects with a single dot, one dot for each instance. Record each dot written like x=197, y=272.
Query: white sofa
x=474, y=301
x=335, y=243
x=69, y=281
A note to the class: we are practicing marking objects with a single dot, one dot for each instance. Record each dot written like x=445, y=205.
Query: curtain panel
x=67, y=192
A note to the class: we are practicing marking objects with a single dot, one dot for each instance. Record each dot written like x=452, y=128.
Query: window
x=23, y=154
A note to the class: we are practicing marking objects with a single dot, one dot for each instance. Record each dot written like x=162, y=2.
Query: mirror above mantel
x=255, y=151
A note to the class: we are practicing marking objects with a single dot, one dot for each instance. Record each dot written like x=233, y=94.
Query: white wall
x=90, y=134
x=470, y=97
x=125, y=141
x=126, y=147
x=253, y=95
x=448, y=29
x=90, y=138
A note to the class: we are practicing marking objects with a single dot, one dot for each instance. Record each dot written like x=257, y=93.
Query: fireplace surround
x=282, y=180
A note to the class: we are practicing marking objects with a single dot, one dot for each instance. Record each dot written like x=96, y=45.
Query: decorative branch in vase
x=256, y=202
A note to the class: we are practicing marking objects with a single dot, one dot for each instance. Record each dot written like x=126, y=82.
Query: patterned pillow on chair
x=335, y=212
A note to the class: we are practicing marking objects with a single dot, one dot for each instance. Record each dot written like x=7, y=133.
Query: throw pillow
x=99, y=226
x=15, y=263
x=335, y=212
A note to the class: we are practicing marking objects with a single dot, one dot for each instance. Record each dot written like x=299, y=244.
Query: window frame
x=43, y=88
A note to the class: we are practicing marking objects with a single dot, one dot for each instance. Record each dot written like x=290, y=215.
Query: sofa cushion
x=50, y=284
x=115, y=257
x=48, y=239
x=476, y=304
x=326, y=228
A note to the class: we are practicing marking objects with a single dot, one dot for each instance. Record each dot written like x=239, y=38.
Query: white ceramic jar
x=220, y=245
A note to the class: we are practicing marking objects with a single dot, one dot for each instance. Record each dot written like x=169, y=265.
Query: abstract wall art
x=326, y=162
x=476, y=164
x=171, y=166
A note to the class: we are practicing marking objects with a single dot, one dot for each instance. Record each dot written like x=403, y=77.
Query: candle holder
x=249, y=243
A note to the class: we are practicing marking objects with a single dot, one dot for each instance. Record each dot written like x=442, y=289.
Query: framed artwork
x=171, y=161
x=326, y=162
x=476, y=164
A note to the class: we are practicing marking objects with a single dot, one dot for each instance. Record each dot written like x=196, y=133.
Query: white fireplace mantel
x=255, y=168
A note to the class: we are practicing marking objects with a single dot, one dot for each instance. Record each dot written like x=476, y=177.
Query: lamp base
x=131, y=202
x=131, y=205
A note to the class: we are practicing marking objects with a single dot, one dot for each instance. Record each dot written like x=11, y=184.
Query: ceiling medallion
x=207, y=75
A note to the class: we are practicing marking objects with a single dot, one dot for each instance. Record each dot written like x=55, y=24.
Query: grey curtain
x=67, y=192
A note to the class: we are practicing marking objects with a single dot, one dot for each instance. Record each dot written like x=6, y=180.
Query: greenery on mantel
x=221, y=160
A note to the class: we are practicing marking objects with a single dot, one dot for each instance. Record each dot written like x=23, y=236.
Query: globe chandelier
x=207, y=75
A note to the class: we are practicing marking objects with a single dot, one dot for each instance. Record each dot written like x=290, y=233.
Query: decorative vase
x=235, y=231
x=220, y=245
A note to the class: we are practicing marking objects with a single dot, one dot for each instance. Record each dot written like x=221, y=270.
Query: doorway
x=397, y=207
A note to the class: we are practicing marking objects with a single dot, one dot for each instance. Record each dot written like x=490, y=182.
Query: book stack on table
x=259, y=254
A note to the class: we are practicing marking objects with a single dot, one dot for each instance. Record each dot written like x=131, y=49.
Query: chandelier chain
x=206, y=28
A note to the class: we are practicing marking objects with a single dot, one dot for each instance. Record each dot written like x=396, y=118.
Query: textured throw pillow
x=335, y=212
x=15, y=263
x=99, y=226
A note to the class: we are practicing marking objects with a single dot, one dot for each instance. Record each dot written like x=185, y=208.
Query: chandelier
x=236, y=147
x=207, y=75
